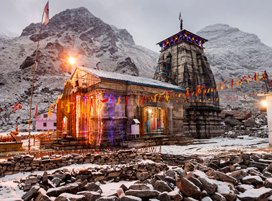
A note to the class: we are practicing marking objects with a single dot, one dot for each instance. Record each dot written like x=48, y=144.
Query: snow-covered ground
x=217, y=145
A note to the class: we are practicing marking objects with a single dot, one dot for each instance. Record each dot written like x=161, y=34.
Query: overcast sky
x=149, y=21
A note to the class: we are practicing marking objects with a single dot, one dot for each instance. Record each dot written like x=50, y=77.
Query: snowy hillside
x=73, y=32
x=232, y=54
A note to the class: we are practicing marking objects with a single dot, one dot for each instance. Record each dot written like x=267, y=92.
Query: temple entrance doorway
x=154, y=120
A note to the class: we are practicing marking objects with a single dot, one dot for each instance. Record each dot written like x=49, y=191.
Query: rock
x=130, y=198
x=70, y=188
x=90, y=195
x=31, y=193
x=139, y=187
x=255, y=194
x=218, y=197
x=189, y=199
x=170, y=173
x=208, y=185
x=111, y=198
x=225, y=189
x=162, y=186
x=249, y=122
x=45, y=178
x=70, y=197
x=224, y=177
x=176, y=196
x=142, y=175
x=123, y=186
x=195, y=181
x=42, y=196
x=268, y=183
x=254, y=180
x=56, y=181
x=170, y=180
x=179, y=171
x=92, y=187
x=207, y=198
x=164, y=197
x=243, y=187
x=146, y=194
x=120, y=193
x=238, y=174
x=231, y=121
x=188, y=188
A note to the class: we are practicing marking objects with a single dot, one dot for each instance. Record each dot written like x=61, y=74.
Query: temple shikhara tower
x=182, y=62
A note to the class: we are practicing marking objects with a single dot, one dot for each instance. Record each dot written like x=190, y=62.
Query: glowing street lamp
x=72, y=60
x=264, y=103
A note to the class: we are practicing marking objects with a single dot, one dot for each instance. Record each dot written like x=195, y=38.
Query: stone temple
x=183, y=62
x=99, y=108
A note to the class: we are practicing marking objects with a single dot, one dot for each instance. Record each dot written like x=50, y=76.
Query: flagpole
x=33, y=69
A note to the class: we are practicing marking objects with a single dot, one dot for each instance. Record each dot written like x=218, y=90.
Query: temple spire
x=181, y=21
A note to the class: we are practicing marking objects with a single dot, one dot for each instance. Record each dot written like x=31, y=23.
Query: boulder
x=70, y=197
x=162, y=186
x=56, y=181
x=224, y=177
x=111, y=198
x=130, y=198
x=90, y=195
x=189, y=199
x=142, y=175
x=268, y=183
x=144, y=194
x=207, y=198
x=171, y=173
x=253, y=180
x=238, y=174
x=139, y=187
x=70, y=188
x=188, y=188
x=208, y=185
x=92, y=187
x=195, y=181
x=218, y=197
x=243, y=187
x=42, y=196
x=176, y=196
x=226, y=189
x=231, y=121
x=32, y=193
x=164, y=197
x=255, y=194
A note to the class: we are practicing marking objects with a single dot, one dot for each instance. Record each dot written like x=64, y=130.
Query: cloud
x=150, y=21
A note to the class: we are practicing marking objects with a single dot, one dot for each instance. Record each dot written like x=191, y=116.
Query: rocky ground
x=240, y=176
x=245, y=122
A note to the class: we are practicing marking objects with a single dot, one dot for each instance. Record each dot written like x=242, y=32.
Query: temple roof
x=136, y=80
x=183, y=35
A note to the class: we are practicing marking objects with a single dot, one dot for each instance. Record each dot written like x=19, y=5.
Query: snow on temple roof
x=131, y=79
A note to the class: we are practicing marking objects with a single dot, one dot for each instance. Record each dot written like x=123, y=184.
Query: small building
x=44, y=122
x=105, y=108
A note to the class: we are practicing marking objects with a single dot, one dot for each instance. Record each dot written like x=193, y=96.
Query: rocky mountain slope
x=232, y=54
x=73, y=32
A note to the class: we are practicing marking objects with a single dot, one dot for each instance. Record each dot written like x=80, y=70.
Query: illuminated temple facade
x=99, y=108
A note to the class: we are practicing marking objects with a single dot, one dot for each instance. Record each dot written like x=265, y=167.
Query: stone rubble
x=217, y=178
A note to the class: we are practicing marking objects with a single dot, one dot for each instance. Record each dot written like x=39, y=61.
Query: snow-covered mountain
x=73, y=32
x=232, y=54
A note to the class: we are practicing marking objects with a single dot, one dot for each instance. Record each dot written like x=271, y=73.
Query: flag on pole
x=46, y=14
x=36, y=111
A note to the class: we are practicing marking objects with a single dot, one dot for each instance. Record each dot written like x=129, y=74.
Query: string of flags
x=191, y=95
